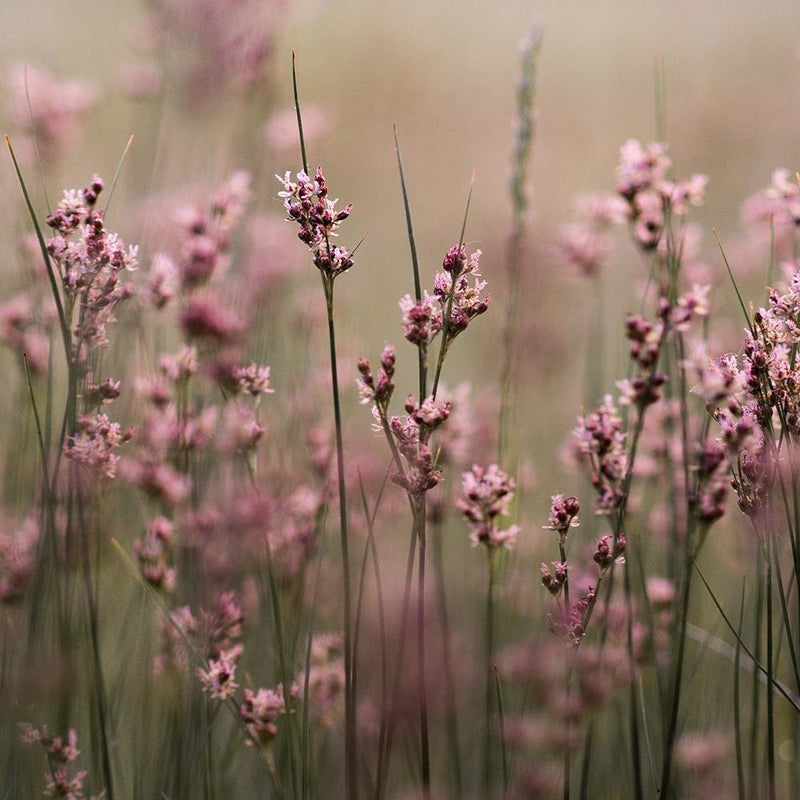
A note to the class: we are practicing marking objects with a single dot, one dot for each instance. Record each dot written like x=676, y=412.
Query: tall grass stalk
x=493, y=556
x=328, y=279
x=520, y=201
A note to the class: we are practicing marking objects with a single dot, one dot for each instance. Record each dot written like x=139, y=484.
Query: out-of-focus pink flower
x=46, y=111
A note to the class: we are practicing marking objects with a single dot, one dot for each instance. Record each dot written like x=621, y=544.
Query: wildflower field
x=400, y=400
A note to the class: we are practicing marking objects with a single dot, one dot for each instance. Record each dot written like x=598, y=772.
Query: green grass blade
x=299, y=116
x=733, y=281
x=117, y=172
x=62, y=319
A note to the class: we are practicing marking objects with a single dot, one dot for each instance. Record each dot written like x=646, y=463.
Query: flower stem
x=350, y=738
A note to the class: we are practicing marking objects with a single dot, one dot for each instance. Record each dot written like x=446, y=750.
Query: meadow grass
x=246, y=556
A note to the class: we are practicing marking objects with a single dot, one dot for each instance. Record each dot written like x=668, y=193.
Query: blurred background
x=445, y=73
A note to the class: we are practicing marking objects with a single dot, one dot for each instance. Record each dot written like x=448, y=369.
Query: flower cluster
x=307, y=203
x=261, y=711
x=712, y=468
x=755, y=402
x=253, y=380
x=642, y=181
x=411, y=434
x=17, y=554
x=486, y=493
x=563, y=514
x=784, y=189
x=601, y=438
x=585, y=244
x=25, y=329
x=95, y=443
x=154, y=552
x=212, y=633
x=219, y=678
x=645, y=199
x=421, y=319
x=171, y=428
x=203, y=256
x=207, y=48
x=380, y=392
x=89, y=260
x=60, y=754
x=456, y=293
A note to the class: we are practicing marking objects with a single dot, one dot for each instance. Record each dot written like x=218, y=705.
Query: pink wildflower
x=219, y=679
x=307, y=203
x=486, y=493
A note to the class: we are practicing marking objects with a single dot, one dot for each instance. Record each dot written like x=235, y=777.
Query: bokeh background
x=446, y=74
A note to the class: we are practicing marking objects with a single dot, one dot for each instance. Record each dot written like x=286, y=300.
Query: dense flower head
x=486, y=493
x=60, y=754
x=554, y=577
x=642, y=181
x=261, y=711
x=219, y=678
x=641, y=166
x=380, y=391
x=421, y=319
x=307, y=203
x=254, y=380
x=712, y=468
x=601, y=438
x=89, y=260
x=453, y=289
x=609, y=549
x=563, y=514
x=95, y=444
x=421, y=473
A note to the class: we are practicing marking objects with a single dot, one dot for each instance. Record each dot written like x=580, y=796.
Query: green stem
x=672, y=726
x=490, y=612
x=444, y=622
x=768, y=545
x=419, y=520
x=350, y=718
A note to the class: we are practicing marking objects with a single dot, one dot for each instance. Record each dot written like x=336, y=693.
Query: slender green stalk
x=767, y=554
x=633, y=714
x=451, y=717
x=501, y=724
x=349, y=701
x=419, y=520
x=672, y=722
x=489, y=666
x=117, y=173
x=566, y=760
x=305, y=748
x=51, y=276
x=97, y=666
x=421, y=351
x=520, y=200
x=380, y=788
x=737, y=710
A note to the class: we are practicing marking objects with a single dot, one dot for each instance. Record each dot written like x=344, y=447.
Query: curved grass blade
x=62, y=320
